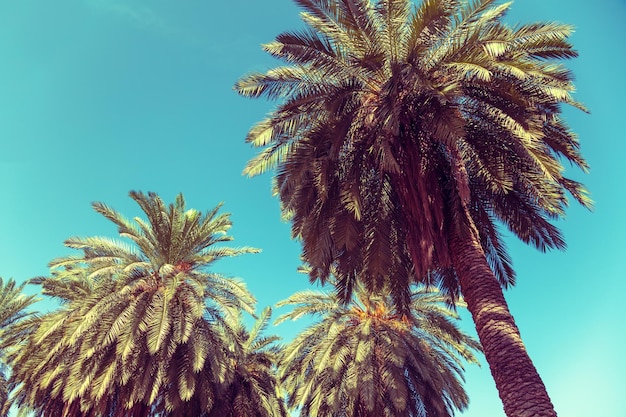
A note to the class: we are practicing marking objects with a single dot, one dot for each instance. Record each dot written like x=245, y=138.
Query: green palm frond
x=13, y=303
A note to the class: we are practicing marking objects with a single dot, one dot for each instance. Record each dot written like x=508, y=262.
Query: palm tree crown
x=404, y=136
x=392, y=122
x=141, y=328
x=365, y=359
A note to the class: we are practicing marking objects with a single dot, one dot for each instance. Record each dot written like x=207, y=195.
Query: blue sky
x=98, y=97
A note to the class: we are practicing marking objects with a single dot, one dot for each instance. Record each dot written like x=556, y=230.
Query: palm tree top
x=364, y=359
x=173, y=239
x=391, y=114
x=375, y=307
x=142, y=325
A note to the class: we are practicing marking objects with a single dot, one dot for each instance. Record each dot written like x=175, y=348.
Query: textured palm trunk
x=521, y=389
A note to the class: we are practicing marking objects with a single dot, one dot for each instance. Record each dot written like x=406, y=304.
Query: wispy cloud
x=139, y=15
x=149, y=19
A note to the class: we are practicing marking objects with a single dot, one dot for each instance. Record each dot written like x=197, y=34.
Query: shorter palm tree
x=364, y=359
x=13, y=310
x=142, y=326
x=254, y=391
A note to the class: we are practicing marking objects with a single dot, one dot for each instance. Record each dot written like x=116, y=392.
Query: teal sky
x=100, y=97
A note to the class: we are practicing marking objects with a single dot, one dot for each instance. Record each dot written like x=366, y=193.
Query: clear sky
x=98, y=97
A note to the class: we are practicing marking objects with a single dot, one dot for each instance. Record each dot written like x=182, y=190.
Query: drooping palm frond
x=13, y=309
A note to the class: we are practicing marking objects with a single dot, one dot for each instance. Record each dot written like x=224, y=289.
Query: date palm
x=408, y=136
x=141, y=325
x=14, y=306
x=365, y=359
x=254, y=390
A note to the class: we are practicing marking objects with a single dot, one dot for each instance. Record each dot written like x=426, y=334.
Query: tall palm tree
x=411, y=135
x=254, y=390
x=365, y=359
x=13, y=310
x=140, y=330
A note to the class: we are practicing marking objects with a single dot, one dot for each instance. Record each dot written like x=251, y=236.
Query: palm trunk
x=521, y=389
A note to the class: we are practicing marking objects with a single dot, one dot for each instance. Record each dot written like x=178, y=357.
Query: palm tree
x=254, y=390
x=13, y=311
x=141, y=327
x=365, y=359
x=410, y=136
